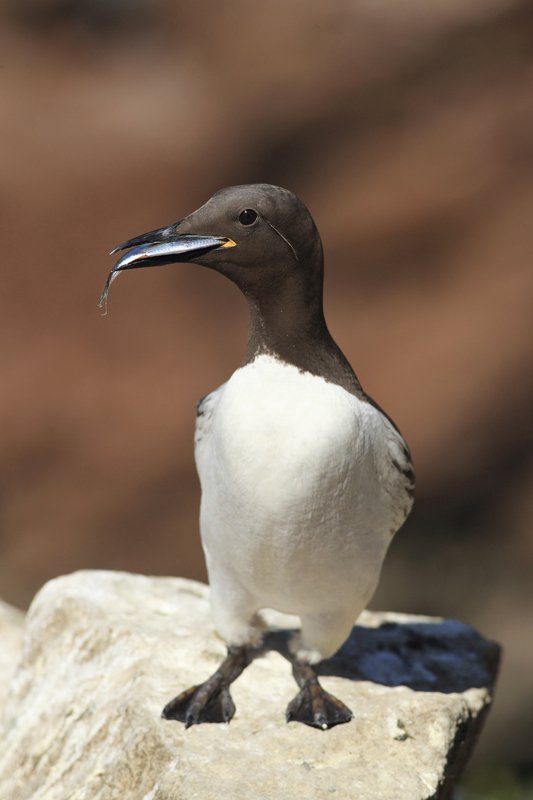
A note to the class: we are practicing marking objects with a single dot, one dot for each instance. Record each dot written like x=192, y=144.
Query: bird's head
x=260, y=236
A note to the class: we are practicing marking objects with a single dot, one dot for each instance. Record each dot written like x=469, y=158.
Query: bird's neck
x=289, y=324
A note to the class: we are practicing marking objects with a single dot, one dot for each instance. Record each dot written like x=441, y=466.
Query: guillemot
x=304, y=478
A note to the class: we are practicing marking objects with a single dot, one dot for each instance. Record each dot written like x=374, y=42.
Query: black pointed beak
x=159, y=247
x=157, y=235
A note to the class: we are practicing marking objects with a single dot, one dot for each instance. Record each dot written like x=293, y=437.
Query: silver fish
x=161, y=253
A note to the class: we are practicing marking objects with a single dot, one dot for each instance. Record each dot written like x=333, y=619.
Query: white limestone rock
x=11, y=632
x=105, y=651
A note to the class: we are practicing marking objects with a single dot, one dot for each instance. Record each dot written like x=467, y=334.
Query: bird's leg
x=313, y=705
x=210, y=701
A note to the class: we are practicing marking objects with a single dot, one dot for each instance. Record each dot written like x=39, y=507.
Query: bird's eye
x=248, y=216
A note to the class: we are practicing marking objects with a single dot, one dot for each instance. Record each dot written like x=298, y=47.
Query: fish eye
x=248, y=216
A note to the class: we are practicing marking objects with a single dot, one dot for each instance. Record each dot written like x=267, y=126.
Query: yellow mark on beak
x=229, y=243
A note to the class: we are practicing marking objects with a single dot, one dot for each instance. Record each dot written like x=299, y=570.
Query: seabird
x=304, y=478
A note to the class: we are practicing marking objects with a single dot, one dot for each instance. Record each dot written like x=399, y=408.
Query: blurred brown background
x=407, y=128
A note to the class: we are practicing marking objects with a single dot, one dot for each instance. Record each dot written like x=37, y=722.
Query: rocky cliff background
x=407, y=128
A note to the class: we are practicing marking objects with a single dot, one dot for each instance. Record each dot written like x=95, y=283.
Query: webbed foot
x=211, y=700
x=316, y=707
x=313, y=705
x=208, y=702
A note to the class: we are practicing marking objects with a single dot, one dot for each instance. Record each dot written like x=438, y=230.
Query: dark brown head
x=263, y=238
x=259, y=236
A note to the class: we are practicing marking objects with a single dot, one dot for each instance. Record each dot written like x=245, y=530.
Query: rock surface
x=11, y=633
x=105, y=651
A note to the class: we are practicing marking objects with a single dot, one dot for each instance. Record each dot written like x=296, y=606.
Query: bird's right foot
x=211, y=700
x=208, y=702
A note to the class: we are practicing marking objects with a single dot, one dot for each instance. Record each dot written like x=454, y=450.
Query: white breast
x=299, y=493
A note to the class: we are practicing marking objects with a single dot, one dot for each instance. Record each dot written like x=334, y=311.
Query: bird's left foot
x=316, y=707
x=313, y=705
